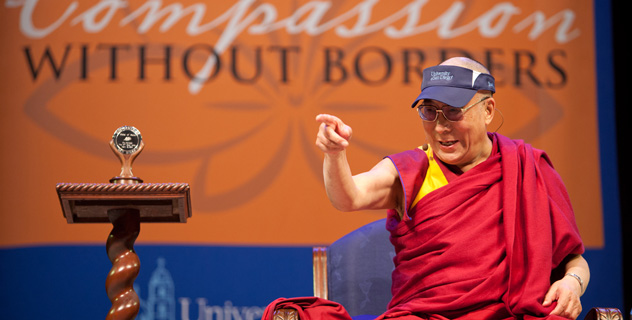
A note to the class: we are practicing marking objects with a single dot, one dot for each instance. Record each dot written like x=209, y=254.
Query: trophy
x=127, y=143
x=125, y=202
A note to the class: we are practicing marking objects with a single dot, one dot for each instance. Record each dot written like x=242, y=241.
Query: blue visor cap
x=452, y=85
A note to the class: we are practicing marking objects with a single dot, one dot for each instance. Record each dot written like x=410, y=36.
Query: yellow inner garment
x=435, y=178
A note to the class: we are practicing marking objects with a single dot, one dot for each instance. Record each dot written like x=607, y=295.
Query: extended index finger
x=330, y=120
x=334, y=123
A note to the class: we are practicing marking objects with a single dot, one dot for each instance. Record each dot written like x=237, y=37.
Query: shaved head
x=469, y=64
x=466, y=63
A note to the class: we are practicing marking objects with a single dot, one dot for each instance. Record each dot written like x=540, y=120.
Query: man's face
x=462, y=143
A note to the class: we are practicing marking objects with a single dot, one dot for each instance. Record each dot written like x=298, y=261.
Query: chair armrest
x=604, y=314
x=285, y=314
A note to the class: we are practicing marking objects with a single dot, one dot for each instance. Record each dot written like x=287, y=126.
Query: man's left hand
x=566, y=292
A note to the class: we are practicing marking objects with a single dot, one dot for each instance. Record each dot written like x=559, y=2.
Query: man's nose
x=441, y=123
x=441, y=119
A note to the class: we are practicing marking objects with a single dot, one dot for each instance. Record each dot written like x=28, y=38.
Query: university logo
x=160, y=303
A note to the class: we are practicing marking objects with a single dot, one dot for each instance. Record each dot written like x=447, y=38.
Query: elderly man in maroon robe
x=482, y=224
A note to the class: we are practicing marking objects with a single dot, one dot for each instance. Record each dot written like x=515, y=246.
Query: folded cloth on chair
x=308, y=308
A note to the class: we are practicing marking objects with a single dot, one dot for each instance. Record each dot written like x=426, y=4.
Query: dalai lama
x=482, y=225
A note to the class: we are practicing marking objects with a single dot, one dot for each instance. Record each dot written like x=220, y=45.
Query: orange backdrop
x=225, y=95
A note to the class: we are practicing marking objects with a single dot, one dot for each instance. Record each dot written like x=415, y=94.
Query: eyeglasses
x=429, y=113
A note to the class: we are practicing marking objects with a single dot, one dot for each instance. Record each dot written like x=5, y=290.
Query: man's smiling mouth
x=448, y=143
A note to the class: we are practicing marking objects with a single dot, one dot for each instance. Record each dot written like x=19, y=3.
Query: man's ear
x=490, y=109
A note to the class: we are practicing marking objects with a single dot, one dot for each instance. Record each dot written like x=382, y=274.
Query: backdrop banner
x=225, y=94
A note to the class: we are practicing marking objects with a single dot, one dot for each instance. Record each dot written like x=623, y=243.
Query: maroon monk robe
x=484, y=245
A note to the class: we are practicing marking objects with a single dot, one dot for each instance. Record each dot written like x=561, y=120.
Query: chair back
x=359, y=267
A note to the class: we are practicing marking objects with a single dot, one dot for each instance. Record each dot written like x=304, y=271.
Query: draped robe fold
x=483, y=246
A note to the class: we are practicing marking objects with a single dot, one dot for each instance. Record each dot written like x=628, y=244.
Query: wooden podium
x=125, y=202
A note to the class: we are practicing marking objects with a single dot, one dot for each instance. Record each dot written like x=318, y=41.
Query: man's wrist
x=579, y=279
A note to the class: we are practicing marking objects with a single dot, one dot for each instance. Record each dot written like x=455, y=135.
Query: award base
x=126, y=180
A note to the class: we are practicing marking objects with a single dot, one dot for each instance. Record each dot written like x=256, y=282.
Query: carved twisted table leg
x=119, y=284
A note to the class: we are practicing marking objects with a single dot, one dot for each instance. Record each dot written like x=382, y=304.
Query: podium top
x=157, y=202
